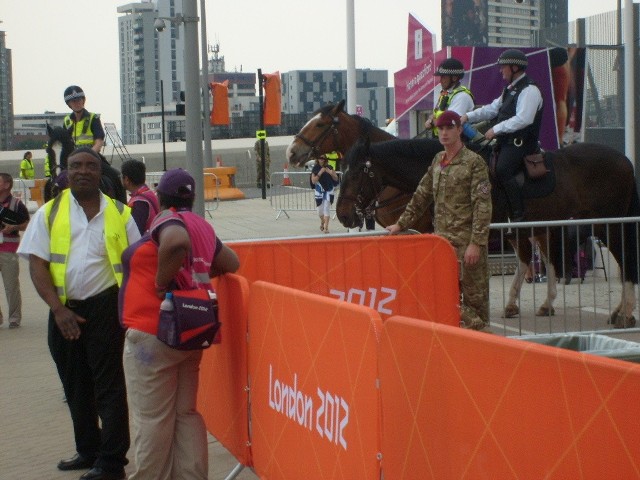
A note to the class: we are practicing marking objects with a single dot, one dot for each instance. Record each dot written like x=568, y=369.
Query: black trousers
x=92, y=376
x=511, y=159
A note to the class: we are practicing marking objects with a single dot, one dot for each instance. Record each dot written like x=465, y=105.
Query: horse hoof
x=545, y=312
x=511, y=311
x=622, y=322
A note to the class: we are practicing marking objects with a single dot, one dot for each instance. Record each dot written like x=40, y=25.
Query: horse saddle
x=538, y=179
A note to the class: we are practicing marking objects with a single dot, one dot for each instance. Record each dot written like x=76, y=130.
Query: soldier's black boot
x=514, y=197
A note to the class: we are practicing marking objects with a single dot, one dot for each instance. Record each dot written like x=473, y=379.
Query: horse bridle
x=315, y=145
x=369, y=209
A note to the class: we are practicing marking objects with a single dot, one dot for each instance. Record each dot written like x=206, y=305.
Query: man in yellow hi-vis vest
x=85, y=127
x=74, y=245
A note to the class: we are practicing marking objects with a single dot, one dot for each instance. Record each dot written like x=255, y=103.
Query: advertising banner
x=413, y=275
x=314, y=396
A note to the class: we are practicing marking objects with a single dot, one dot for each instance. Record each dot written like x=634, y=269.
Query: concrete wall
x=236, y=152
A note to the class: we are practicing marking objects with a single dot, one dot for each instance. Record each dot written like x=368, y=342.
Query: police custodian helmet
x=73, y=92
x=515, y=57
x=451, y=66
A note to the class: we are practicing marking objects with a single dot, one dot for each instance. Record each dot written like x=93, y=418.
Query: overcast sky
x=56, y=43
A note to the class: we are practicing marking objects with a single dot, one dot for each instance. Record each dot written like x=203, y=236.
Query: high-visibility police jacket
x=81, y=130
x=333, y=158
x=58, y=219
x=27, y=171
x=444, y=101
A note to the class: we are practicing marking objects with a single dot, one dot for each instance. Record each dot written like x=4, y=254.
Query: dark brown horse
x=332, y=129
x=588, y=181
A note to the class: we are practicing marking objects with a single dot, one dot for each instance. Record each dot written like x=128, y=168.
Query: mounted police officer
x=518, y=113
x=453, y=96
x=85, y=127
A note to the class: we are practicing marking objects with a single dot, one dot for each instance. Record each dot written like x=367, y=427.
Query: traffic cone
x=286, y=181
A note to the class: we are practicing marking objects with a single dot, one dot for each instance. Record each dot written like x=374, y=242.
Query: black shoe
x=77, y=462
x=97, y=473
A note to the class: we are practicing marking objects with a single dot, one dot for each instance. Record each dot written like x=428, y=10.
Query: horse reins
x=358, y=201
x=315, y=145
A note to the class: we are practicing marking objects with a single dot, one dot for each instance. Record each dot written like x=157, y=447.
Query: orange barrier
x=314, y=397
x=462, y=404
x=411, y=275
x=222, y=394
x=226, y=184
x=36, y=193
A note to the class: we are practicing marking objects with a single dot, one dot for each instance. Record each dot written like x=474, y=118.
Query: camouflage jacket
x=462, y=195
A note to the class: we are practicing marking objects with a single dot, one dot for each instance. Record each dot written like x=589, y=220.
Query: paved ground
x=35, y=428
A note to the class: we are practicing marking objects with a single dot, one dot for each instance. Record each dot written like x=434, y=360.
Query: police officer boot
x=514, y=197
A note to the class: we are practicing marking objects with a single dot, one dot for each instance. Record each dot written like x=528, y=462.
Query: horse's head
x=59, y=146
x=319, y=135
x=360, y=185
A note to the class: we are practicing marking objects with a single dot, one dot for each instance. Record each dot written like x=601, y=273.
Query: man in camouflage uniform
x=267, y=156
x=458, y=183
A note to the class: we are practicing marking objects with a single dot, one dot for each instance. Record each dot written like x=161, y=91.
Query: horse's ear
x=339, y=108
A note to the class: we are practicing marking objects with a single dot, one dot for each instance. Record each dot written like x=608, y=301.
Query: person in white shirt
x=74, y=245
x=518, y=115
x=453, y=95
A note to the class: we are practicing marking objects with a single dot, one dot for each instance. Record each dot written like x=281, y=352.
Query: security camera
x=159, y=25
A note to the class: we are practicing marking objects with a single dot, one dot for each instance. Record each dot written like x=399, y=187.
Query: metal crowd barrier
x=588, y=293
x=292, y=191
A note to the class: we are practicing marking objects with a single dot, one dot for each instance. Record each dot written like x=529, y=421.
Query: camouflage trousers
x=259, y=171
x=474, y=289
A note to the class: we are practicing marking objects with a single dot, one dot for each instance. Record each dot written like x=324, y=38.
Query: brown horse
x=588, y=181
x=332, y=129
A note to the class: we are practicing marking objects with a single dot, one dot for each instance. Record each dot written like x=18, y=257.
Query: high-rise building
x=499, y=23
x=138, y=65
x=304, y=91
x=6, y=95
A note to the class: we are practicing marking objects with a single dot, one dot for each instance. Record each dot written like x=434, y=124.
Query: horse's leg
x=622, y=316
x=546, y=309
x=523, y=251
x=512, y=309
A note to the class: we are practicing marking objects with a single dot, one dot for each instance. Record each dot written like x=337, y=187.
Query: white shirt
x=529, y=103
x=461, y=103
x=88, y=269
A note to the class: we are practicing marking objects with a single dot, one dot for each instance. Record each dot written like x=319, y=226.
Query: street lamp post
x=193, y=115
x=206, y=108
x=193, y=108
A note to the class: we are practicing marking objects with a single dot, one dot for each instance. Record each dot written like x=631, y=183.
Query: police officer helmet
x=451, y=66
x=515, y=57
x=72, y=92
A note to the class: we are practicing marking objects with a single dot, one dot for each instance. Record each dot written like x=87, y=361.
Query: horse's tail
x=631, y=239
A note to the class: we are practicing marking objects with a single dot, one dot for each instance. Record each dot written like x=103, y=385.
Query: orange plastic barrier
x=222, y=394
x=314, y=397
x=226, y=184
x=411, y=275
x=463, y=404
x=36, y=193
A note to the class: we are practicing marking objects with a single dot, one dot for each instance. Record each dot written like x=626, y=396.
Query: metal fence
x=292, y=191
x=587, y=295
x=211, y=198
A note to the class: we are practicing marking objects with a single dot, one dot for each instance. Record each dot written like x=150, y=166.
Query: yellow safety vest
x=440, y=109
x=58, y=221
x=80, y=130
x=332, y=159
x=26, y=166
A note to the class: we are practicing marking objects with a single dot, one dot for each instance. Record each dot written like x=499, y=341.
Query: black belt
x=105, y=293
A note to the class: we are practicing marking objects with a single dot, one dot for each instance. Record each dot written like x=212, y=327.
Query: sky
x=57, y=43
